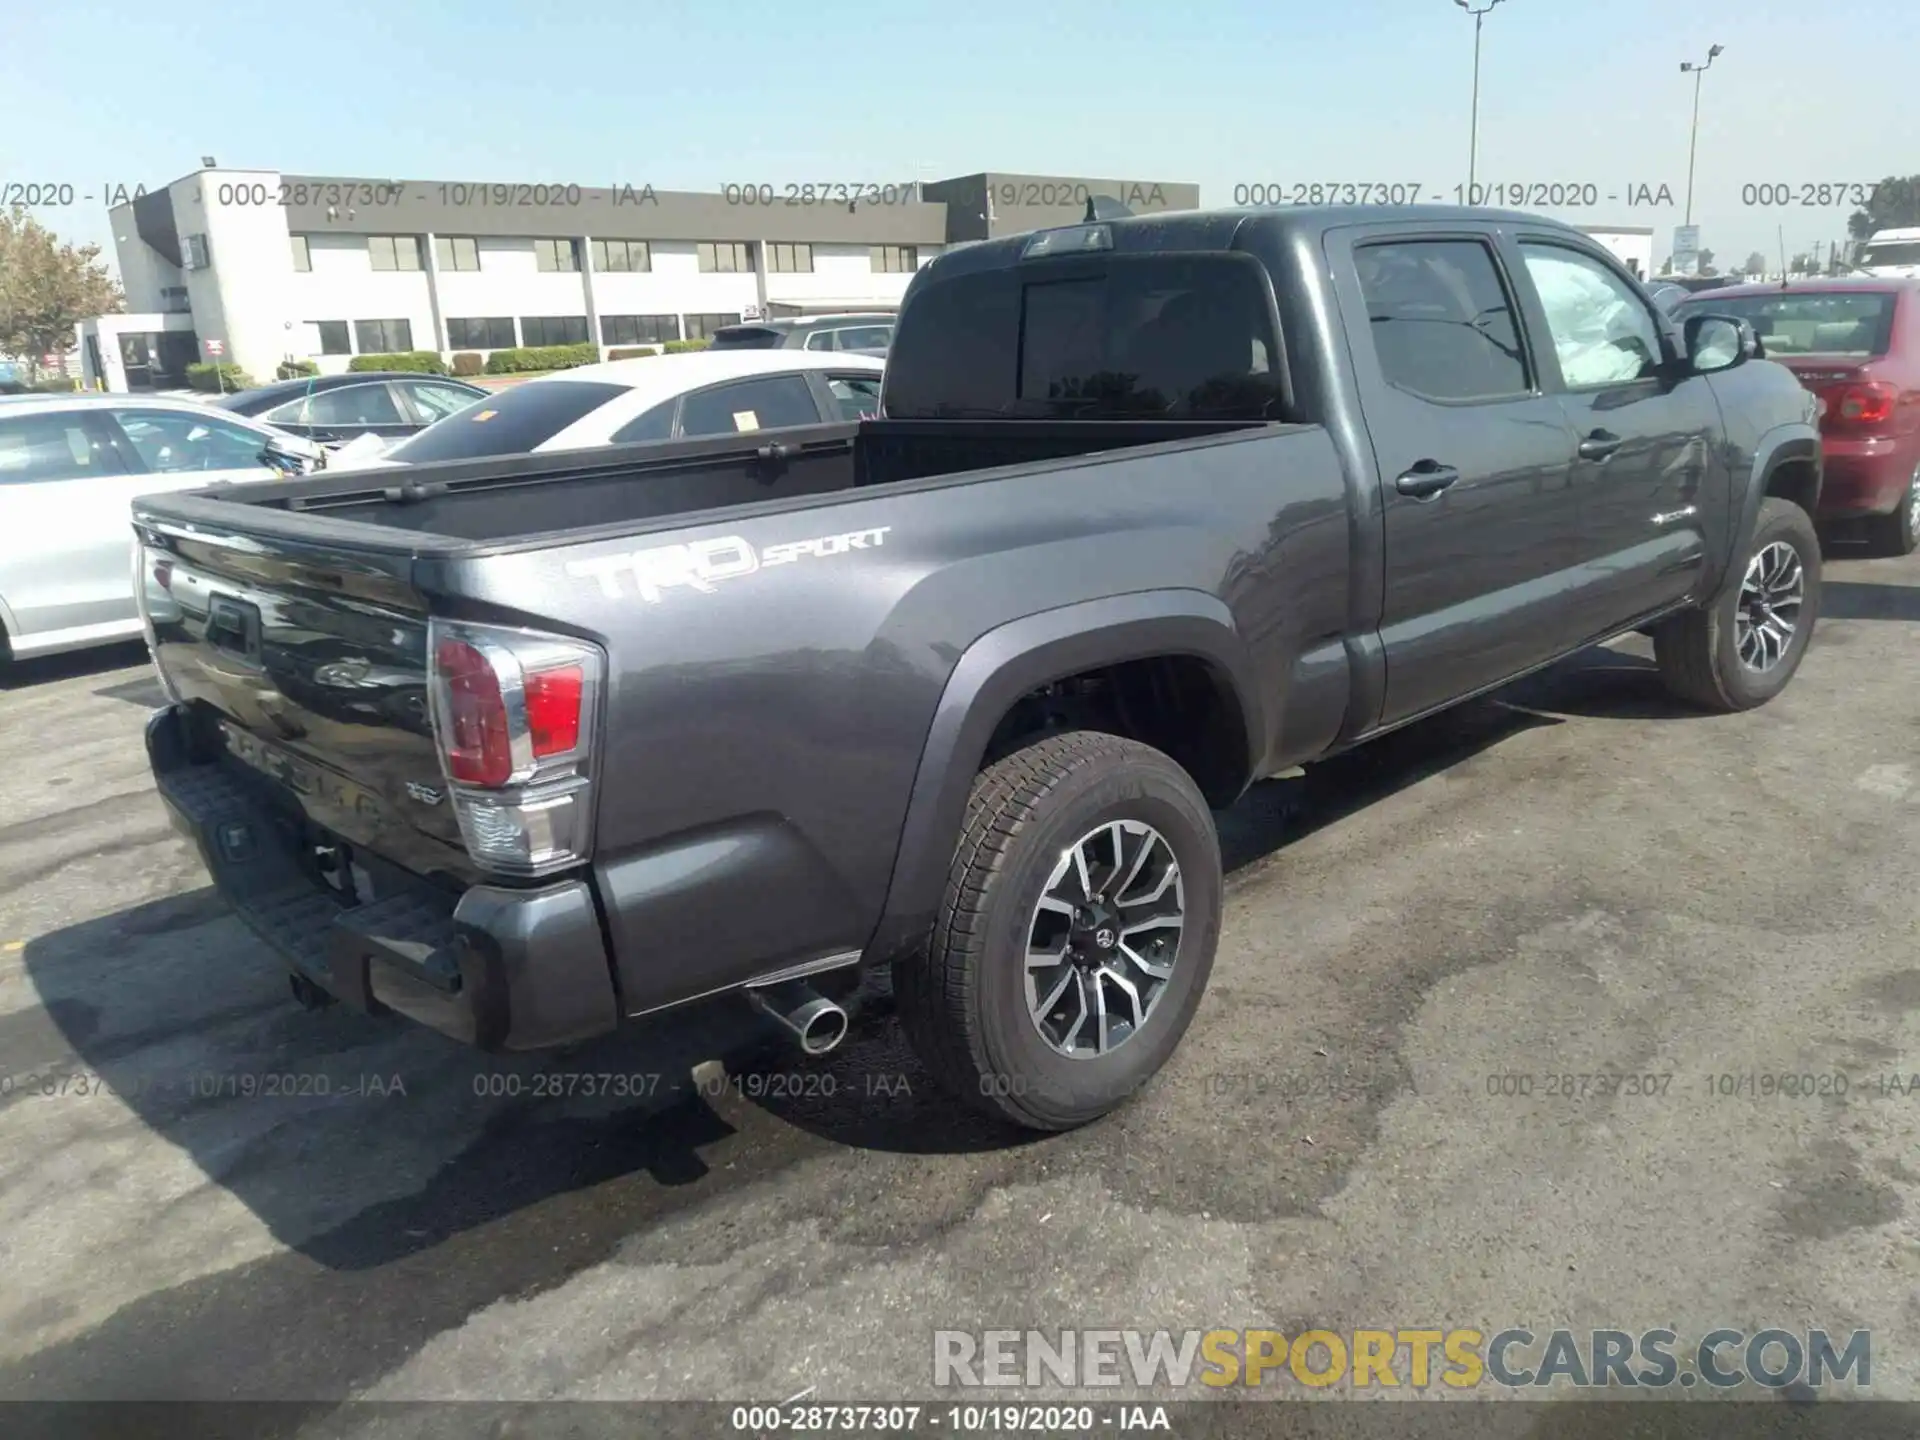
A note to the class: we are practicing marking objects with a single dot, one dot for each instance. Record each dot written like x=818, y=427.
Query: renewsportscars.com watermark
x=1376, y=1360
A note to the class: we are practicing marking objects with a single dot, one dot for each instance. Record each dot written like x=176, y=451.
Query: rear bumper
x=1864, y=477
x=496, y=967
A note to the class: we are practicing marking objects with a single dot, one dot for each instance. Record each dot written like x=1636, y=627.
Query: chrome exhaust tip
x=811, y=1021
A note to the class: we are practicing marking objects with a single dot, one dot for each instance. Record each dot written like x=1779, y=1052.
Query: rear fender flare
x=1008, y=662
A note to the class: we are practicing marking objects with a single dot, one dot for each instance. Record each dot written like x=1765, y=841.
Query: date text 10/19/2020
x=1727, y=1085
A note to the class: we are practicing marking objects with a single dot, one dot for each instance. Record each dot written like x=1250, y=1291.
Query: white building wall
x=675, y=286
x=144, y=271
x=843, y=272
x=343, y=285
x=251, y=260
x=510, y=282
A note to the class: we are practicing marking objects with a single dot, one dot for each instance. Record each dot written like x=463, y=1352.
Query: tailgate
x=303, y=667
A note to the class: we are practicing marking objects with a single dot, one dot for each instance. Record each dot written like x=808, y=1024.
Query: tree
x=1756, y=264
x=1801, y=264
x=46, y=288
x=1894, y=203
x=1706, y=262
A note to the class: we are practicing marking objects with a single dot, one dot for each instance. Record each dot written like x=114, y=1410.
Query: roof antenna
x=1780, y=233
x=1105, y=207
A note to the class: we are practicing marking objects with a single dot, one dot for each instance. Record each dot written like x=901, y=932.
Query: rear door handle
x=1599, y=445
x=1426, y=479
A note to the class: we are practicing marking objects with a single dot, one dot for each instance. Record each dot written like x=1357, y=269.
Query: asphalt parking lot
x=1573, y=878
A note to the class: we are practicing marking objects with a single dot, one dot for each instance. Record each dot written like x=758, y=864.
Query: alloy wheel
x=1103, y=938
x=1771, y=596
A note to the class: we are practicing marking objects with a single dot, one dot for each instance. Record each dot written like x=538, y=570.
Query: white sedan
x=661, y=397
x=70, y=466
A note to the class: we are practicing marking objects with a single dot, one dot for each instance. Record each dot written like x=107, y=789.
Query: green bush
x=296, y=369
x=632, y=353
x=541, y=357
x=676, y=347
x=210, y=377
x=424, y=362
x=468, y=363
x=55, y=385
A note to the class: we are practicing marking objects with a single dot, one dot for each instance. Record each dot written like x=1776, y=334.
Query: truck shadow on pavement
x=1863, y=600
x=393, y=1215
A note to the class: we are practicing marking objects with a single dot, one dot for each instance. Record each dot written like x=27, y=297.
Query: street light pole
x=1473, y=138
x=1693, y=141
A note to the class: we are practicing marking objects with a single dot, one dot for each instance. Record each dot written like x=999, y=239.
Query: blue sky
x=694, y=95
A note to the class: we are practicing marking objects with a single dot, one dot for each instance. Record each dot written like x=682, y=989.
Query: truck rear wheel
x=1742, y=651
x=1076, y=935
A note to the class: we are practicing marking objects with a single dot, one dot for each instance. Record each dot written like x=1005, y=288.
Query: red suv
x=1856, y=344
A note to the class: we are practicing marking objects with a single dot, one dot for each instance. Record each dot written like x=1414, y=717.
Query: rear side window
x=52, y=447
x=747, y=405
x=745, y=337
x=1182, y=337
x=1442, y=325
x=656, y=424
x=347, y=405
x=511, y=422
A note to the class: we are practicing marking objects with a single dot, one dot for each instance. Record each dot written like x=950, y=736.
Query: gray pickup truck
x=1155, y=508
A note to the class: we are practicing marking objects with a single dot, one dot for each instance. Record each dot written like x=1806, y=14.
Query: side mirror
x=292, y=456
x=1718, y=342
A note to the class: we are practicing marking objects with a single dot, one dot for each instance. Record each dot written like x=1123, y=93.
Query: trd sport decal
x=704, y=563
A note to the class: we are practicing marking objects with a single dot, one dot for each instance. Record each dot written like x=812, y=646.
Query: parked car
x=957, y=690
x=1855, y=343
x=865, y=334
x=70, y=466
x=662, y=397
x=1892, y=254
x=335, y=409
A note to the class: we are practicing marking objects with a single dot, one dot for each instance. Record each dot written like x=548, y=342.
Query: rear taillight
x=554, y=698
x=1868, y=404
x=513, y=717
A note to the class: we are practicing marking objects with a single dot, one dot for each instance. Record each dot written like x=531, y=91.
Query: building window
x=174, y=301
x=615, y=255
x=639, y=329
x=789, y=259
x=456, y=252
x=726, y=257
x=383, y=337
x=701, y=327
x=493, y=333
x=394, y=252
x=302, y=257
x=553, y=329
x=556, y=256
x=198, y=256
x=895, y=259
x=333, y=337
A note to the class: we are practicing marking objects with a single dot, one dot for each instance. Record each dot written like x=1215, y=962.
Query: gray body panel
x=787, y=745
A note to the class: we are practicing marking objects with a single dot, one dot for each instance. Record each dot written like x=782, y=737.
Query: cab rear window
x=512, y=422
x=1172, y=337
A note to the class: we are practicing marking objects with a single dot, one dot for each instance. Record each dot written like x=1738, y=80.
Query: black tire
x=1898, y=533
x=1698, y=651
x=962, y=997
